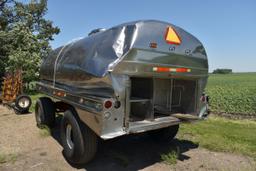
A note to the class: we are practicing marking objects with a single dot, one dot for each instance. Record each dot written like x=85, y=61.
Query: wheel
x=79, y=141
x=165, y=134
x=45, y=112
x=23, y=103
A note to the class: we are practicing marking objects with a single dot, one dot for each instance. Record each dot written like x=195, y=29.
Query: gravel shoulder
x=22, y=139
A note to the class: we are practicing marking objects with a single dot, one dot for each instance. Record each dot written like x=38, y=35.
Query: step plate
x=146, y=125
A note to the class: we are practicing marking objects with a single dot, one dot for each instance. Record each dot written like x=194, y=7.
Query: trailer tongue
x=136, y=77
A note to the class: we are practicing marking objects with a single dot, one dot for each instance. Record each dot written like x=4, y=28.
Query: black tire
x=45, y=112
x=165, y=134
x=23, y=103
x=83, y=146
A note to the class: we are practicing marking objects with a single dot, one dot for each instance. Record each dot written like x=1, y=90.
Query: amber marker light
x=153, y=45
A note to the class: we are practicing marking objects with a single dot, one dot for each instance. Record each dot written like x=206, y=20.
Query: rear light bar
x=165, y=69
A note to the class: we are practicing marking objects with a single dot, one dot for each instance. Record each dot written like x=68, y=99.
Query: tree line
x=222, y=71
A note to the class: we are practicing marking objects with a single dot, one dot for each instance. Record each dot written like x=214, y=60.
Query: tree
x=5, y=16
x=24, y=36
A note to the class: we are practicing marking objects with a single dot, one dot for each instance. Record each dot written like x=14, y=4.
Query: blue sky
x=226, y=28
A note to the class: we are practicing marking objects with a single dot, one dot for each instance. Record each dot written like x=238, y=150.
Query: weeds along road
x=24, y=147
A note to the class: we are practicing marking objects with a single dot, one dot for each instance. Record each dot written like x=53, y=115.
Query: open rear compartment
x=152, y=98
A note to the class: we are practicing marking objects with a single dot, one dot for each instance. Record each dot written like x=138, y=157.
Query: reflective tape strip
x=173, y=70
x=164, y=69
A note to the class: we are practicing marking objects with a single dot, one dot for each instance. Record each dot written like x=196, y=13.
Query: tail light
x=108, y=104
x=204, y=98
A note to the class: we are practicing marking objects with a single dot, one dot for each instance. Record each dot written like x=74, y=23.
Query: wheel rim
x=23, y=102
x=69, y=136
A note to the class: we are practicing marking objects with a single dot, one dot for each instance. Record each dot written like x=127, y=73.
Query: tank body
x=84, y=65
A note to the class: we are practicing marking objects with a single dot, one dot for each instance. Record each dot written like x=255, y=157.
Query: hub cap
x=23, y=102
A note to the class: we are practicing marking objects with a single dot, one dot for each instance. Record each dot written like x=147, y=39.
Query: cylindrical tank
x=132, y=48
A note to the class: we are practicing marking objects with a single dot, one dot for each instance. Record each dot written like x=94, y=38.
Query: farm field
x=232, y=93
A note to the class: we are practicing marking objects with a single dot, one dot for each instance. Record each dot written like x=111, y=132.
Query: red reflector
x=203, y=98
x=108, y=104
x=162, y=69
x=181, y=70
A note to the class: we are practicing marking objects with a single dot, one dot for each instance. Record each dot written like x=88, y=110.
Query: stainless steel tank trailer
x=142, y=76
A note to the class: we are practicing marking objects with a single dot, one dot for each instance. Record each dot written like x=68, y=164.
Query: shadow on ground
x=133, y=152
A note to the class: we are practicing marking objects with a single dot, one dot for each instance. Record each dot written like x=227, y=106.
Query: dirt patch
x=21, y=137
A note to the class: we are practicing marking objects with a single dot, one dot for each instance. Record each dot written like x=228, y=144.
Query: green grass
x=232, y=93
x=4, y=158
x=170, y=157
x=219, y=134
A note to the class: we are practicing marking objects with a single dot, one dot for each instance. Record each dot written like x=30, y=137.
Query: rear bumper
x=158, y=123
x=146, y=125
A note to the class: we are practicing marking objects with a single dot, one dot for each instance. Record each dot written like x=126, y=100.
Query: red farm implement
x=12, y=92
